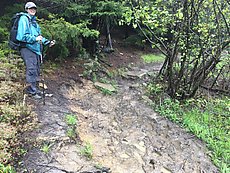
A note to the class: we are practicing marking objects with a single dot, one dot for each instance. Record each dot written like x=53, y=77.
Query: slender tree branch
x=225, y=21
x=139, y=26
x=215, y=80
x=216, y=90
x=158, y=39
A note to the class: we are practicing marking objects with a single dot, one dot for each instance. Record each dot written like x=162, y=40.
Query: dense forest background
x=193, y=36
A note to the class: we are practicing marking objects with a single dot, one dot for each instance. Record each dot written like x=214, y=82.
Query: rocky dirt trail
x=126, y=135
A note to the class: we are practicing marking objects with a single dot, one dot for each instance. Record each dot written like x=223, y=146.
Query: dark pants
x=32, y=62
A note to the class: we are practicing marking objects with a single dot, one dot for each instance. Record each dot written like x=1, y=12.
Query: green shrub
x=135, y=40
x=68, y=36
x=6, y=169
x=3, y=34
x=87, y=151
x=71, y=120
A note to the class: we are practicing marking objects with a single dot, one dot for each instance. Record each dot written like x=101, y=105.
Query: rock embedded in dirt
x=108, y=87
x=135, y=74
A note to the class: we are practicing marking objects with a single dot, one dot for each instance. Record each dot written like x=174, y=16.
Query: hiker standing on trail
x=29, y=32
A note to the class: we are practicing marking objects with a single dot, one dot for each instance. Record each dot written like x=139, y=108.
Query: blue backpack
x=13, y=42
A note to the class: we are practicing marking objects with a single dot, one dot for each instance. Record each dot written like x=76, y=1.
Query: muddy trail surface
x=121, y=132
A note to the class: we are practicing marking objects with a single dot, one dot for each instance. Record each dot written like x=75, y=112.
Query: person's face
x=32, y=11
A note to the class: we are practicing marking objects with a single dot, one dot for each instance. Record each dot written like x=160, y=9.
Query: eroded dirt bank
x=127, y=136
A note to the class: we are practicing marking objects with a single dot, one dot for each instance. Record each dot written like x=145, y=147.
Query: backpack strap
x=19, y=15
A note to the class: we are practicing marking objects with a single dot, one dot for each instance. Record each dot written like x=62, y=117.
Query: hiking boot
x=39, y=92
x=37, y=96
x=33, y=94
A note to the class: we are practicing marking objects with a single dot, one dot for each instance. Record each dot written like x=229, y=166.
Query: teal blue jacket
x=28, y=30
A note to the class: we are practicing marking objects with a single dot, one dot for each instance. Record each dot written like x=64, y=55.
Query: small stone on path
x=108, y=87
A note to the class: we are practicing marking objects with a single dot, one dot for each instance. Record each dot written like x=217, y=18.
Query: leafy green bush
x=6, y=169
x=87, y=151
x=5, y=21
x=220, y=76
x=71, y=120
x=192, y=45
x=135, y=40
x=67, y=36
x=3, y=34
x=154, y=89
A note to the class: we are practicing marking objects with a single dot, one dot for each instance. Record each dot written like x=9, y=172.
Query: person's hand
x=39, y=38
x=52, y=43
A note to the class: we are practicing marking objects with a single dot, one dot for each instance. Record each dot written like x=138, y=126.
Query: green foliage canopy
x=192, y=34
